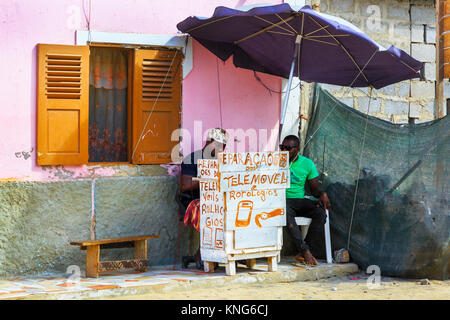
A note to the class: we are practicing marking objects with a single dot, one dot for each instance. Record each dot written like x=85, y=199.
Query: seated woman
x=190, y=193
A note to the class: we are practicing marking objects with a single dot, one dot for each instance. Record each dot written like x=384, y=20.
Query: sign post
x=243, y=208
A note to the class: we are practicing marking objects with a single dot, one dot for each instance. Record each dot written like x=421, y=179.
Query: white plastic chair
x=304, y=225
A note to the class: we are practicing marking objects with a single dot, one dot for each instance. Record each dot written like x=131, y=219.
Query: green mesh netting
x=401, y=219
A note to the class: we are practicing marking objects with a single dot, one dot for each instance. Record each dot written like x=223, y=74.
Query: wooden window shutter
x=156, y=94
x=62, y=104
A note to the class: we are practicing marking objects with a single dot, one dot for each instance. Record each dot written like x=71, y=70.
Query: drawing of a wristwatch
x=267, y=215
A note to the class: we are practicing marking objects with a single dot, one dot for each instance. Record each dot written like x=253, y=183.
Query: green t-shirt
x=301, y=169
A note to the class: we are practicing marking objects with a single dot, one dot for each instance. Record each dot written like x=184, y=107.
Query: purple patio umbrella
x=313, y=46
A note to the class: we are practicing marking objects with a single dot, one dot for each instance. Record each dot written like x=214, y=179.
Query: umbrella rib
x=300, y=48
x=263, y=30
x=325, y=36
x=345, y=50
x=286, y=34
x=208, y=23
x=406, y=64
x=330, y=43
x=295, y=31
x=317, y=30
x=271, y=23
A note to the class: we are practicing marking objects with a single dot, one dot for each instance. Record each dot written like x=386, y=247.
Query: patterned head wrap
x=218, y=134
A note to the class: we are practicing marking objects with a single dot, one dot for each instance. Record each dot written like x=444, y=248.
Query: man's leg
x=309, y=209
x=292, y=209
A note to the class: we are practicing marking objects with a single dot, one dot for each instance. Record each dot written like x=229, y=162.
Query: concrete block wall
x=409, y=25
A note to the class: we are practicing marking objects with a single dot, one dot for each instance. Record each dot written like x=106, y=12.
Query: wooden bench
x=92, y=247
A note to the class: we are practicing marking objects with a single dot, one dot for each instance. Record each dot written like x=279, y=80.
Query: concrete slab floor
x=161, y=279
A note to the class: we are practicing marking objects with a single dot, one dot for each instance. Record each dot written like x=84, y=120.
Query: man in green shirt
x=303, y=170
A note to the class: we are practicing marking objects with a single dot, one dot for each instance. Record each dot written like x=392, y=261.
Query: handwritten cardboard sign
x=258, y=180
x=253, y=170
x=253, y=161
x=259, y=198
x=212, y=212
x=255, y=209
x=207, y=169
x=212, y=219
x=243, y=202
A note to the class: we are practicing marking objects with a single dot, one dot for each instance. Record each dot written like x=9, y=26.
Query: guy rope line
x=218, y=90
x=179, y=184
x=359, y=169
x=335, y=103
x=270, y=89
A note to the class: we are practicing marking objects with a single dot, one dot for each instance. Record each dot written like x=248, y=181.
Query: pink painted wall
x=23, y=24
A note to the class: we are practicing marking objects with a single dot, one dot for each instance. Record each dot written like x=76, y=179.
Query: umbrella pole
x=288, y=89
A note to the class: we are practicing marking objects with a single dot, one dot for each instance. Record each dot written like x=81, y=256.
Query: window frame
x=131, y=60
x=84, y=105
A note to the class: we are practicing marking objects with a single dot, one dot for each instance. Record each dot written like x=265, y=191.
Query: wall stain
x=24, y=154
x=58, y=172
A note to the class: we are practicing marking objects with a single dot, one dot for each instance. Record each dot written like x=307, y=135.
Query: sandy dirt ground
x=352, y=287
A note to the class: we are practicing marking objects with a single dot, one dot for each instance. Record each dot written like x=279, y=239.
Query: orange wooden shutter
x=62, y=104
x=156, y=94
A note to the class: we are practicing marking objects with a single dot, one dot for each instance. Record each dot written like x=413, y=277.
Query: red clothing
x=192, y=214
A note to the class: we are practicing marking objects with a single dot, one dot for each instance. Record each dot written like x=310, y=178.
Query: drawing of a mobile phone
x=207, y=237
x=244, y=213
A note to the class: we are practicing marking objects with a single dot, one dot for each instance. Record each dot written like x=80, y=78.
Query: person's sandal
x=186, y=260
x=316, y=263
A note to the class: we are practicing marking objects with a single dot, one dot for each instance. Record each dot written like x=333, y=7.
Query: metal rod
x=291, y=75
x=328, y=238
x=286, y=97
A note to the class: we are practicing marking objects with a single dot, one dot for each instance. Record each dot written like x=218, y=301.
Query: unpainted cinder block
x=422, y=89
x=423, y=15
x=396, y=107
x=423, y=52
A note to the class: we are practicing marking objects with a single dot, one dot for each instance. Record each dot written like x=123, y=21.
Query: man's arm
x=187, y=184
x=318, y=193
x=188, y=171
